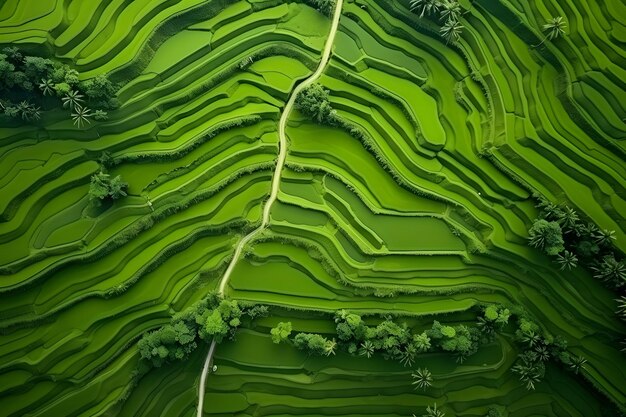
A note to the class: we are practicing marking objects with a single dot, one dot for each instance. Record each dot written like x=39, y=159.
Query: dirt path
x=282, y=156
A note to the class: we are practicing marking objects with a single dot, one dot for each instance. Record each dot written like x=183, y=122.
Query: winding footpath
x=282, y=156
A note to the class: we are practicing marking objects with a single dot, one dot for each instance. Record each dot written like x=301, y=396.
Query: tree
x=422, y=378
x=459, y=339
x=81, y=116
x=100, y=115
x=350, y=327
x=493, y=412
x=451, y=31
x=494, y=317
x=621, y=307
x=611, y=271
x=325, y=7
x=171, y=342
x=587, y=248
x=424, y=7
x=530, y=369
x=330, y=347
x=577, y=363
x=72, y=99
x=406, y=355
x=604, y=237
x=46, y=86
x=104, y=187
x=312, y=343
x=314, y=103
x=37, y=68
x=433, y=412
x=450, y=10
x=568, y=218
x=421, y=342
x=367, y=349
x=555, y=27
x=100, y=92
x=62, y=90
x=28, y=111
x=546, y=236
x=567, y=260
x=215, y=326
x=281, y=332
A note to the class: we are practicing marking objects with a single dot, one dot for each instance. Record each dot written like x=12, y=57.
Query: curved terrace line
x=282, y=156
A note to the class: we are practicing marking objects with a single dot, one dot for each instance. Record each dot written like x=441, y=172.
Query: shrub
x=103, y=187
x=547, y=236
x=281, y=332
x=312, y=343
x=314, y=103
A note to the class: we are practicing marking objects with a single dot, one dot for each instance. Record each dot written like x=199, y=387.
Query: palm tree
x=100, y=115
x=451, y=31
x=407, y=355
x=527, y=374
x=72, y=99
x=47, y=87
x=330, y=347
x=422, y=378
x=81, y=116
x=577, y=363
x=424, y=6
x=24, y=109
x=568, y=218
x=28, y=111
x=542, y=353
x=621, y=306
x=531, y=338
x=567, y=260
x=555, y=27
x=450, y=10
x=433, y=412
x=367, y=349
x=611, y=271
x=604, y=237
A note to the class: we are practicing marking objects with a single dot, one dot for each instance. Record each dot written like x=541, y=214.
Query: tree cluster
x=560, y=232
x=393, y=340
x=314, y=103
x=448, y=11
x=325, y=7
x=105, y=187
x=211, y=318
x=31, y=85
x=539, y=348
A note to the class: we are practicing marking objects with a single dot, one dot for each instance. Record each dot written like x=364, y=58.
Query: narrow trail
x=282, y=156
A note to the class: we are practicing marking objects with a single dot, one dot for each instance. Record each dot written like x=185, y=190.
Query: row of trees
x=325, y=7
x=561, y=233
x=538, y=349
x=449, y=12
x=211, y=318
x=396, y=341
x=399, y=342
x=31, y=85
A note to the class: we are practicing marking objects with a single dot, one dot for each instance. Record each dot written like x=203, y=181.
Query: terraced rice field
x=425, y=216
